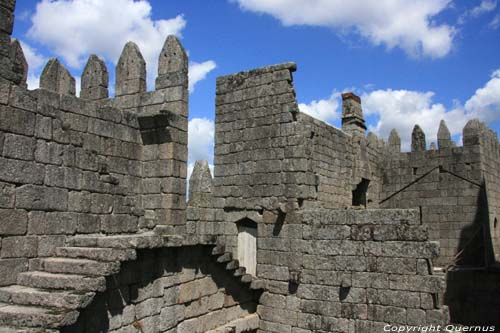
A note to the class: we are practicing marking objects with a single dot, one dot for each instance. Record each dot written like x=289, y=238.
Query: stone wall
x=259, y=158
x=447, y=185
x=75, y=165
x=170, y=290
x=348, y=271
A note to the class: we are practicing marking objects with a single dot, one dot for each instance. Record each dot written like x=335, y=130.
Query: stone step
x=232, y=265
x=95, y=253
x=33, y=316
x=248, y=323
x=45, y=280
x=79, y=266
x=246, y=278
x=136, y=241
x=23, y=295
x=255, y=284
x=226, y=257
x=218, y=250
x=240, y=271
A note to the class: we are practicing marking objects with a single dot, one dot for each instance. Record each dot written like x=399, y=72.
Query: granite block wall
x=348, y=271
x=74, y=165
x=450, y=187
x=170, y=290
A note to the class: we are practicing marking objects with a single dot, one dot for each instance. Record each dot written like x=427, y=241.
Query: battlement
x=304, y=226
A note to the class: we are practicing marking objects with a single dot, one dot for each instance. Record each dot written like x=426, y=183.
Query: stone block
x=52, y=223
x=88, y=224
x=9, y=268
x=19, y=246
x=23, y=172
x=47, y=245
x=17, y=121
x=43, y=127
x=49, y=152
x=7, y=195
x=35, y=197
x=19, y=147
x=13, y=222
x=119, y=223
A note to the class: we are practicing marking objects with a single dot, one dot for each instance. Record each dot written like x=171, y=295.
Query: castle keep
x=303, y=228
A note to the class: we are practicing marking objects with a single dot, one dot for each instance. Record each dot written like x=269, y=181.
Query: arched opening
x=359, y=194
x=247, y=245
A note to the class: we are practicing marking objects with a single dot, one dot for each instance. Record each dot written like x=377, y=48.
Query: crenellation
x=303, y=227
x=55, y=77
x=95, y=79
x=418, y=139
x=130, y=72
x=172, y=65
x=19, y=64
x=443, y=136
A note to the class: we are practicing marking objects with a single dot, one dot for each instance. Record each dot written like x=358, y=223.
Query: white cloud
x=495, y=23
x=33, y=81
x=78, y=85
x=35, y=62
x=407, y=24
x=485, y=103
x=201, y=133
x=323, y=109
x=484, y=7
x=33, y=57
x=402, y=109
x=198, y=71
x=74, y=29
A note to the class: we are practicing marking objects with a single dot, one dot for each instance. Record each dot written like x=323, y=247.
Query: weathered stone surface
x=394, y=141
x=172, y=65
x=13, y=222
x=201, y=178
x=418, y=139
x=55, y=77
x=19, y=64
x=95, y=79
x=130, y=71
x=444, y=136
x=10, y=269
x=172, y=58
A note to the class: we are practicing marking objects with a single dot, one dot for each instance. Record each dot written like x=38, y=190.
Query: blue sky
x=411, y=61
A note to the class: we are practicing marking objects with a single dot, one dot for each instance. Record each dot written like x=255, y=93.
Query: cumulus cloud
x=201, y=139
x=74, y=29
x=323, y=109
x=406, y=24
x=33, y=81
x=198, y=71
x=35, y=62
x=495, y=23
x=201, y=133
x=484, y=7
x=485, y=103
x=402, y=109
x=33, y=57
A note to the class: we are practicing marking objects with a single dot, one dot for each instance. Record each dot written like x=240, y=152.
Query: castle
x=303, y=227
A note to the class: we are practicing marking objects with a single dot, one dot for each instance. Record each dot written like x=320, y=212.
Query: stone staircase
x=50, y=297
